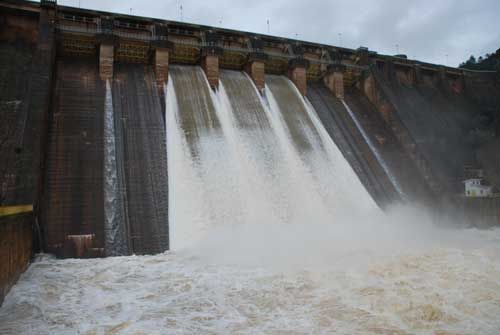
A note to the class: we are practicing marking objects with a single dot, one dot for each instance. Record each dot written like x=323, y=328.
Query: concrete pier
x=210, y=58
x=334, y=80
x=255, y=68
x=106, y=49
x=297, y=74
x=161, y=49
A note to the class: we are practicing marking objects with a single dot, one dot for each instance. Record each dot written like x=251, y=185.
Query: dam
x=320, y=171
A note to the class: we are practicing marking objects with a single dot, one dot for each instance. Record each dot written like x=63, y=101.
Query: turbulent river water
x=272, y=233
x=396, y=280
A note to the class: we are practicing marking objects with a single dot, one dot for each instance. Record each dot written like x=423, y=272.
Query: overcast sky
x=426, y=30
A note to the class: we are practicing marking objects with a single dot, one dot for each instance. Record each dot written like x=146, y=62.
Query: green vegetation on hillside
x=490, y=62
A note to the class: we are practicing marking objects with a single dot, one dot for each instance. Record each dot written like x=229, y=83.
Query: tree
x=490, y=62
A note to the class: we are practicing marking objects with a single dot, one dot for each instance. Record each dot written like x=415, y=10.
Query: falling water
x=114, y=234
x=197, y=157
x=375, y=151
x=334, y=180
x=238, y=159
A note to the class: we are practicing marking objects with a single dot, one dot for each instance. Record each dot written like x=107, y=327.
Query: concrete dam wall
x=75, y=178
x=99, y=107
x=139, y=111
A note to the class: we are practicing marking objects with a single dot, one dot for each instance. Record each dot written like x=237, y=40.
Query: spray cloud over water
x=259, y=182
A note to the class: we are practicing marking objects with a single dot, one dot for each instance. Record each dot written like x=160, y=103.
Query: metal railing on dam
x=92, y=29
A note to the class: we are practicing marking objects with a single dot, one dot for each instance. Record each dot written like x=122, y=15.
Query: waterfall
x=375, y=151
x=323, y=166
x=238, y=159
x=114, y=233
x=194, y=148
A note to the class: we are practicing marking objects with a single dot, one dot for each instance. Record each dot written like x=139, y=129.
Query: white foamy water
x=394, y=280
x=237, y=159
x=272, y=234
x=115, y=244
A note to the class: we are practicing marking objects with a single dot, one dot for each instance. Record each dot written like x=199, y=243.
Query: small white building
x=474, y=187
